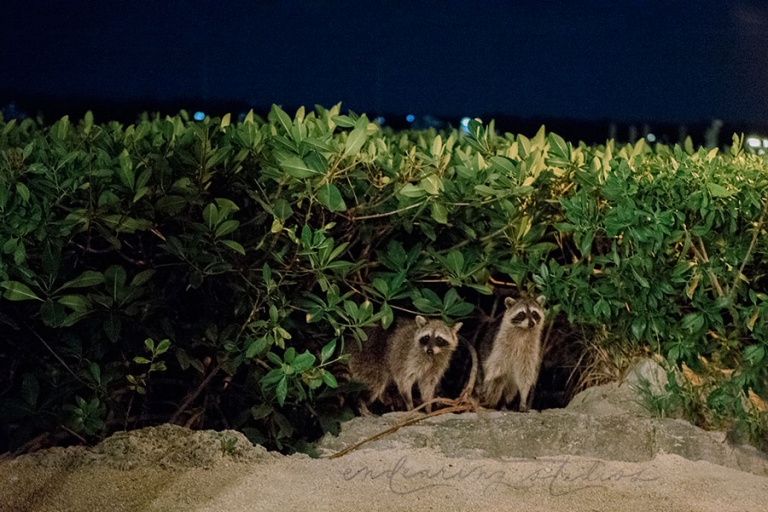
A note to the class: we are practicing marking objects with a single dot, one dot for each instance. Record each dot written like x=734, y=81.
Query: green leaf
x=114, y=279
x=455, y=262
x=142, y=277
x=79, y=303
x=439, y=213
x=261, y=411
x=638, y=327
x=112, y=326
x=23, y=191
x=274, y=358
x=303, y=362
x=601, y=309
x=503, y=164
x=171, y=204
x=343, y=121
x=425, y=306
x=431, y=184
x=330, y=196
x=411, y=190
x=125, y=170
x=30, y=389
x=163, y=346
x=290, y=355
x=234, y=246
x=226, y=227
x=281, y=391
x=329, y=379
x=282, y=118
x=328, y=351
x=754, y=354
x=17, y=291
x=693, y=321
x=211, y=215
x=96, y=373
x=558, y=149
x=388, y=315
x=460, y=309
x=355, y=141
x=296, y=167
x=282, y=209
x=84, y=280
x=720, y=191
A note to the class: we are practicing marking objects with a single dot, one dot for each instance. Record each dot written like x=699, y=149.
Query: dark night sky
x=663, y=60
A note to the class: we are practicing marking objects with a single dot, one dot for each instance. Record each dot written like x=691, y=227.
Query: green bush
x=257, y=250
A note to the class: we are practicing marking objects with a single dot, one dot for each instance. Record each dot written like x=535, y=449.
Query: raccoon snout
x=430, y=351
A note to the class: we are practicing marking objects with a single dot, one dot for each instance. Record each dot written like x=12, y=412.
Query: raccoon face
x=524, y=313
x=434, y=336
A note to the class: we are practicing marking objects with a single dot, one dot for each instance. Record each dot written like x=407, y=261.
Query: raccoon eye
x=424, y=340
x=535, y=315
x=440, y=342
x=519, y=317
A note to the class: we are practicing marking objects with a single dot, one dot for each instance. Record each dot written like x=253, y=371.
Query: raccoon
x=367, y=365
x=511, y=358
x=417, y=352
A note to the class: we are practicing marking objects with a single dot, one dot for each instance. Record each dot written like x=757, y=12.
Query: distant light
x=651, y=137
x=380, y=120
x=410, y=118
x=754, y=142
x=465, y=124
x=199, y=116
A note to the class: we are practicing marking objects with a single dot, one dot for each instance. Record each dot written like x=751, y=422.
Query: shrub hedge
x=209, y=273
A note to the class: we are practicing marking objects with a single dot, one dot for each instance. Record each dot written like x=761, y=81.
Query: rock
x=623, y=397
x=605, y=422
x=165, y=446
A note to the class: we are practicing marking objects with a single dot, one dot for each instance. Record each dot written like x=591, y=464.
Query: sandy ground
x=451, y=463
x=394, y=479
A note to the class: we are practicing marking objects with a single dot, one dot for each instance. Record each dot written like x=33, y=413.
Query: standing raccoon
x=511, y=358
x=417, y=352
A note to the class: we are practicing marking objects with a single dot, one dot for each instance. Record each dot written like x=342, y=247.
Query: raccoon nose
x=531, y=323
x=430, y=351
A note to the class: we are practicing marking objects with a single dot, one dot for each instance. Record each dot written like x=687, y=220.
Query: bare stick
x=57, y=356
x=457, y=407
x=387, y=214
x=755, y=235
x=191, y=398
x=702, y=256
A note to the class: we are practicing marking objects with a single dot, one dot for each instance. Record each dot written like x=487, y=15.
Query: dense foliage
x=210, y=273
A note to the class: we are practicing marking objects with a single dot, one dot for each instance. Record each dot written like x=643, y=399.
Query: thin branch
x=483, y=239
x=501, y=283
x=387, y=214
x=702, y=256
x=72, y=432
x=191, y=398
x=56, y=356
x=755, y=236
x=456, y=407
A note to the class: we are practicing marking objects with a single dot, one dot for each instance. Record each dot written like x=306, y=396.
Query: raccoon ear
x=456, y=327
x=421, y=321
x=540, y=299
x=509, y=302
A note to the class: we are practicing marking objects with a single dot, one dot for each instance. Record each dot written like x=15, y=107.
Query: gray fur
x=400, y=357
x=510, y=357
